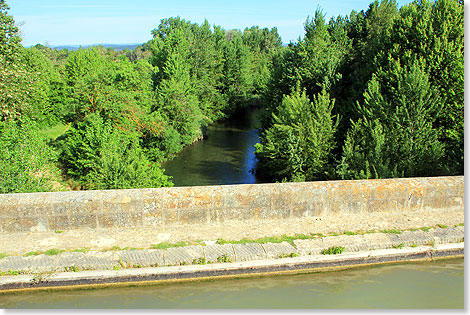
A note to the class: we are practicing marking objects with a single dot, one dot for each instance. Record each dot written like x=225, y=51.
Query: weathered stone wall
x=208, y=204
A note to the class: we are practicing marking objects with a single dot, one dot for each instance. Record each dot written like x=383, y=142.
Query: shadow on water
x=225, y=156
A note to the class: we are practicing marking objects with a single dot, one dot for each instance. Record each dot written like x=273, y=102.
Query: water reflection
x=414, y=285
x=226, y=156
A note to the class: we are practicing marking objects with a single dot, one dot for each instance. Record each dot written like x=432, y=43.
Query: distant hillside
x=114, y=46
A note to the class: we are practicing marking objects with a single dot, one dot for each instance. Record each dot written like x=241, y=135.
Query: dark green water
x=226, y=156
x=414, y=285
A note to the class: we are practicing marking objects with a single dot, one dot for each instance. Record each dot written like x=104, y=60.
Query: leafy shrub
x=102, y=157
x=25, y=158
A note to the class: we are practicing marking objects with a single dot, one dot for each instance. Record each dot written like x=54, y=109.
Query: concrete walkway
x=310, y=263
x=145, y=237
x=54, y=263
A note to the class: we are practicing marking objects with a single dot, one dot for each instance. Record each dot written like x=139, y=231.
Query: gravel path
x=20, y=243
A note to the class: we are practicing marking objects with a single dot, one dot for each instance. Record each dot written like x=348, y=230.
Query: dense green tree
x=368, y=32
x=313, y=61
x=395, y=135
x=298, y=145
x=434, y=31
x=176, y=99
x=100, y=156
x=263, y=44
x=236, y=72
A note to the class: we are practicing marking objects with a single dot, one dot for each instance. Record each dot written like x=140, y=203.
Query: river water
x=438, y=284
x=226, y=156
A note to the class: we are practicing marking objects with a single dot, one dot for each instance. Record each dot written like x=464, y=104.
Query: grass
x=334, y=250
x=12, y=272
x=58, y=231
x=291, y=255
x=53, y=251
x=80, y=250
x=401, y=245
x=3, y=255
x=220, y=241
x=165, y=245
x=54, y=131
x=271, y=239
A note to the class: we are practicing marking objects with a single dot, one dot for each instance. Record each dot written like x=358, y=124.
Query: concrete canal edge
x=253, y=268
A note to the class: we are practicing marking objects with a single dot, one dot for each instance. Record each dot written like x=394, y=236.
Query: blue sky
x=83, y=22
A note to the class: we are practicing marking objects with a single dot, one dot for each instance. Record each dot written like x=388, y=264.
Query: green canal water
x=437, y=284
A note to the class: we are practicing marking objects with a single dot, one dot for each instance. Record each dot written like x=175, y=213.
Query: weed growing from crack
x=165, y=245
x=224, y=259
x=52, y=252
x=334, y=250
x=291, y=255
x=199, y=261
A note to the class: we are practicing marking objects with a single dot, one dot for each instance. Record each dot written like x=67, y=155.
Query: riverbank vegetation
x=100, y=119
x=375, y=94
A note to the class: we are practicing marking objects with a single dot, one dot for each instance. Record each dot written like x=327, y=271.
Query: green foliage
x=434, y=31
x=199, y=261
x=298, y=145
x=334, y=250
x=395, y=135
x=52, y=252
x=378, y=93
x=165, y=245
x=25, y=159
x=224, y=259
x=102, y=157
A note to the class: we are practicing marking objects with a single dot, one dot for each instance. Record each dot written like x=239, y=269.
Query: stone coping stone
x=197, y=254
x=249, y=251
x=237, y=269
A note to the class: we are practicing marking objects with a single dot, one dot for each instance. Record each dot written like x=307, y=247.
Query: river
x=225, y=156
x=438, y=284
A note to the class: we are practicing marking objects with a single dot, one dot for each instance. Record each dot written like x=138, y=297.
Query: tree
x=176, y=99
x=434, y=31
x=236, y=76
x=395, y=136
x=299, y=143
x=100, y=156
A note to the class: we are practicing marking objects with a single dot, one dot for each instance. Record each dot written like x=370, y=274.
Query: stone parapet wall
x=178, y=206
